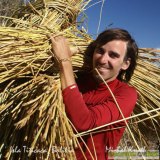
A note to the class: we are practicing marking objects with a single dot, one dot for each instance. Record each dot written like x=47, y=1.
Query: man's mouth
x=102, y=68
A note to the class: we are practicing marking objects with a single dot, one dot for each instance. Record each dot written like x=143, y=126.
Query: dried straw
x=32, y=114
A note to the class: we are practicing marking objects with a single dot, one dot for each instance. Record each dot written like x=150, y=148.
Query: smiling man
x=109, y=59
x=88, y=102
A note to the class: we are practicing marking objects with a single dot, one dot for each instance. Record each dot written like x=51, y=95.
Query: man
x=88, y=102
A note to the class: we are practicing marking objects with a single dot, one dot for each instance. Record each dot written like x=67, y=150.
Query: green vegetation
x=149, y=153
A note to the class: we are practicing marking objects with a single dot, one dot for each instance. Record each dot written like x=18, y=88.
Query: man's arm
x=85, y=118
x=63, y=55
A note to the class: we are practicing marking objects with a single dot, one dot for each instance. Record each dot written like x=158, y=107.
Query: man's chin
x=99, y=78
x=100, y=75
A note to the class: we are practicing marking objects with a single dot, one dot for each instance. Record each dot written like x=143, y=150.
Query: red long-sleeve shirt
x=89, y=105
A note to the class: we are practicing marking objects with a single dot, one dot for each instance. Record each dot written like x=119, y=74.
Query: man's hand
x=61, y=47
x=63, y=54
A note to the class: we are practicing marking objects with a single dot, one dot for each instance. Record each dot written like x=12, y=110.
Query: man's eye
x=113, y=55
x=99, y=50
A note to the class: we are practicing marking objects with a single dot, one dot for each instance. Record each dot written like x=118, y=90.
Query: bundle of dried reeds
x=32, y=117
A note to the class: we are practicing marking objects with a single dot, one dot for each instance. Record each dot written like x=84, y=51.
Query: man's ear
x=126, y=64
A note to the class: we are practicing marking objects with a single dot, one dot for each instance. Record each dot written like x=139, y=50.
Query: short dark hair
x=131, y=53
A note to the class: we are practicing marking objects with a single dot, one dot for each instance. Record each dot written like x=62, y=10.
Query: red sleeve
x=84, y=118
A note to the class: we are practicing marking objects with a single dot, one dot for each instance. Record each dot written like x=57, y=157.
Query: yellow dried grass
x=32, y=113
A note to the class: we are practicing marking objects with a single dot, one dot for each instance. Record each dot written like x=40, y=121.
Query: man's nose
x=104, y=59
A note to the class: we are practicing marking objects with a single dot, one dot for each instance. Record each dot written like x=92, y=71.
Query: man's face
x=109, y=59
